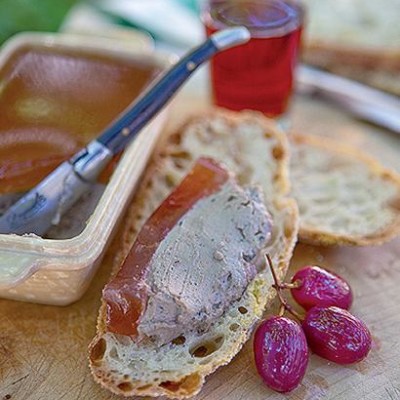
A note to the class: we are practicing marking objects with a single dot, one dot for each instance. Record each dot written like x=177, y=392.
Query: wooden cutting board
x=43, y=349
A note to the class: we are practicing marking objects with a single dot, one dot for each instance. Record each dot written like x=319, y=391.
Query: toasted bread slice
x=344, y=196
x=355, y=38
x=250, y=146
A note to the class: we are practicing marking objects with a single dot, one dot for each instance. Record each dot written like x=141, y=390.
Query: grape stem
x=278, y=287
x=294, y=285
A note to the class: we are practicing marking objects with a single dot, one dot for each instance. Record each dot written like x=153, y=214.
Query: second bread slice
x=344, y=196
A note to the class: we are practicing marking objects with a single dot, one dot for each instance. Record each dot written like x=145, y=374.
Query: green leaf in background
x=31, y=15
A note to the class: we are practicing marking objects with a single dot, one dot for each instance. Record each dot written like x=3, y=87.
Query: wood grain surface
x=43, y=349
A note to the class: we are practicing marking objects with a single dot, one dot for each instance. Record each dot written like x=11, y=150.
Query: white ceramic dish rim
x=85, y=248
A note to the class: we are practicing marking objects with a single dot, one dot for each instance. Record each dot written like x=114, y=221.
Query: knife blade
x=367, y=103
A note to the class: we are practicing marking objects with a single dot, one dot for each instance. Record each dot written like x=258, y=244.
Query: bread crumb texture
x=354, y=22
x=344, y=196
x=250, y=146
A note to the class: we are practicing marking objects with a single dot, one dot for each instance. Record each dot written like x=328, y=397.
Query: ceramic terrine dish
x=57, y=92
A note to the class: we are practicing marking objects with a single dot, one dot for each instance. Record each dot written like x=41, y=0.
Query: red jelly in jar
x=259, y=74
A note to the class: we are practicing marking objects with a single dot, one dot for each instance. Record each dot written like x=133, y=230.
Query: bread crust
x=186, y=381
x=329, y=55
x=374, y=67
x=311, y=234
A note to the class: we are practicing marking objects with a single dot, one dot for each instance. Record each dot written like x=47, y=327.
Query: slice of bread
x=251, y=147
x=344, y=196
x=356, y=38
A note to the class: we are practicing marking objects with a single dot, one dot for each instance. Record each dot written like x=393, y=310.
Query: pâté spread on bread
x=163, y=328
x=191, y=260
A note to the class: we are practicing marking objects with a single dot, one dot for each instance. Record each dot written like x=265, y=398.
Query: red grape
x=337, y=335
x=319, y=287
x=281, y=353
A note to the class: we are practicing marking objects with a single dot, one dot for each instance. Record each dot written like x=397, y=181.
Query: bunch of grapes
x=328, y=329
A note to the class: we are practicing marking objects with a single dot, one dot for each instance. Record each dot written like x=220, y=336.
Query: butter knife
x=44, y=205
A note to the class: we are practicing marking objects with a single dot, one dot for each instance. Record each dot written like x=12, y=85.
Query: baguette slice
x=355, y=38
x=250, y=146
x=344, y=196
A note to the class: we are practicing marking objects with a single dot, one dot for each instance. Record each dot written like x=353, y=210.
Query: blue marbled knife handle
x=146, y=106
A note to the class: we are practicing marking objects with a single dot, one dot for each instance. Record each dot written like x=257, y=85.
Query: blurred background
x=171, y=23
x=354, y=38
